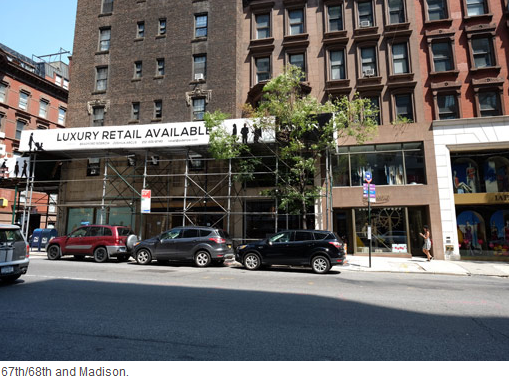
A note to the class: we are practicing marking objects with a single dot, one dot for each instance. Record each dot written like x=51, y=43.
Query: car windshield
x=10, y=236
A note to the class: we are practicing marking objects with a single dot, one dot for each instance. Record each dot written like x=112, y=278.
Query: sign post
x=145, y=201
x=370, y=192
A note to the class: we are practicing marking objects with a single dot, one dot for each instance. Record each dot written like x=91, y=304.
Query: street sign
x=367, y=176
x=369, y=189
x=145, y=201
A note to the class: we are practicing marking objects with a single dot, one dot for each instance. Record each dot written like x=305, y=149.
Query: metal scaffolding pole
x=105, y=178
x=31, y=181
x=229, y=194
x=184, y=207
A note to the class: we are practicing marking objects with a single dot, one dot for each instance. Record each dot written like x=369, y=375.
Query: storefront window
x=480, y=172
x=389, y=164
x=120, y=216
x=77, y=217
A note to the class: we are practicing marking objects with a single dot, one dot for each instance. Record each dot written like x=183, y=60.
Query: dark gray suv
x=14, y=253
x=202, y=245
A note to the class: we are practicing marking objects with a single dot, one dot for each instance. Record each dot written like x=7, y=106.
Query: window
x=482, y=52
x=135, y=111
x=400, y=58
x=160, y=67
x=43, y=108
x=58, y=80
x=191, y=232
x=337, y=65
x=303, y=236
x=101, y=79
x=368, y=61
x=140, y=30
x=436, y=10
x=262, y=65
x=138, y=69
x=297, y=59
x=23, y=101
x=335, y=18
x=262, y=25
x=295, y=21
x=20, y=126
x=107, y=6
x=158, y=109
x=94, y=167
x=1, y=119
x=447, y=106
x=200, y=67
x=98, y=116
x=66, y=84
x=3, y=92
x=104, y=39
x=162, y=27
x=489, y=103
x=61, y=116
x=198, y=109
x=396, y=11
x=404, y=107
x=442, y=56
x=365, y=12
x=403, y=163
x=200, y=25
x=476, y=7
x=375, y=103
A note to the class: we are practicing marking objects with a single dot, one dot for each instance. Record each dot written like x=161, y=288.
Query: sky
x=38, y=27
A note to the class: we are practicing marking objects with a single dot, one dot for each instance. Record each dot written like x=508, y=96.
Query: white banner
x=15, y=167
x=179, y=134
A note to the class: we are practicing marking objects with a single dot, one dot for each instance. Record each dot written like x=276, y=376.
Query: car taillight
x=218, y=240
x=118, y=241
x=28, y=251
x=335, y=244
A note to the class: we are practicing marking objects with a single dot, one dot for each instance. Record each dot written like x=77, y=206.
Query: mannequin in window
x=471, y=174
x=459, y=187
x=490, y=177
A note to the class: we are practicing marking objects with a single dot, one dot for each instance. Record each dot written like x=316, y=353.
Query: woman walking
x=427, y=242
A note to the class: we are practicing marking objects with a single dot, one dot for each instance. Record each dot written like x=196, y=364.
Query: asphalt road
x=80, y=310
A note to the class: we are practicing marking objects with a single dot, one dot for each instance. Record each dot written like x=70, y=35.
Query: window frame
x=452, y=52
x=486, y=6
x=341, y=6
x=135, y=111
x=196, y=66
x=107, y=7
x=200, y=28
x=388, y=13
x=194, y=112
x=289, y=25
x=329, y=63
x=407, y=58
x=17, y=132
x=290, y=53
x=161, y=30
x=46, y=109
x=138, y=70
x=158, y=109
x=360, y=47
x=5, y=85
x=358, y=15
x=160, y=69
x=255, y=68
x=445, y=92
x=100, y=47
x=140, y=30
x=99, y=80
x=255, y=24
x=24, y=105
x=498, y=91
x=61, y=121
x=401, y=92
x=94, y=121
x=447, y=16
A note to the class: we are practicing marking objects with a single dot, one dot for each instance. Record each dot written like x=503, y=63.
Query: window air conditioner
x=369, y=72
x=365, y=23
x=199, y=76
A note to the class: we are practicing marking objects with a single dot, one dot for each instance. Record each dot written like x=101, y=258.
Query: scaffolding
x=188, y=188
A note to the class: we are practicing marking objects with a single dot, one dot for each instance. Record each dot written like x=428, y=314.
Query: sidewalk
x=420, y=265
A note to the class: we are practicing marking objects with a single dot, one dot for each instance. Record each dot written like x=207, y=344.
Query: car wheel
x=252, y=261
x=202, y=259
x=10, y=279
x=79, y=257
x=54, y=252
x=320, y=264
x=100, y=255
x=143, y=257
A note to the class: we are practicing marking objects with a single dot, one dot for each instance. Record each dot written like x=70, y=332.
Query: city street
x=80, y=310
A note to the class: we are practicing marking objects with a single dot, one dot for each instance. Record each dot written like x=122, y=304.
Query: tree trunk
x=304, y=215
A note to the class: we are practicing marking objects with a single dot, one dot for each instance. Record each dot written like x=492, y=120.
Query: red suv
x=100, y=241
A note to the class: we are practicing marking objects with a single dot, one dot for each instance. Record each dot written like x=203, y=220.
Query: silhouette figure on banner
x=244, y=131
x=24, y=172
x=32, y=142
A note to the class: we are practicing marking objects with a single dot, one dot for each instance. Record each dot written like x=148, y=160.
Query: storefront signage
x=482, y=198
x=179, y=134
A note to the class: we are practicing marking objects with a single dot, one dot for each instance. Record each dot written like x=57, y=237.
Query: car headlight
x=241, y=247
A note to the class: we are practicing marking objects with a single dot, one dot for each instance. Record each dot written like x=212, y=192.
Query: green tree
x=293, y=117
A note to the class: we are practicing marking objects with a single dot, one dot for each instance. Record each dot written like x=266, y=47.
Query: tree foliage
x=304, y=130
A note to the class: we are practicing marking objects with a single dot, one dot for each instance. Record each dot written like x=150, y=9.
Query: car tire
x=202, y=259
x=79, y=257
x=100, y=255
x=10, y=279
x=252, y=261
x=143, y=256
x=54, y=252
x=320, y=264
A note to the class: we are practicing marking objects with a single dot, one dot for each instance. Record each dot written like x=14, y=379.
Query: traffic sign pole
x=368, y=178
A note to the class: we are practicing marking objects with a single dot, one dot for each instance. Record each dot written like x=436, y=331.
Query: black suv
x=202, y=245
x=318, y=249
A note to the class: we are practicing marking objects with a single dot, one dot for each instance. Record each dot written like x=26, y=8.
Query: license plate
x=6, y=270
